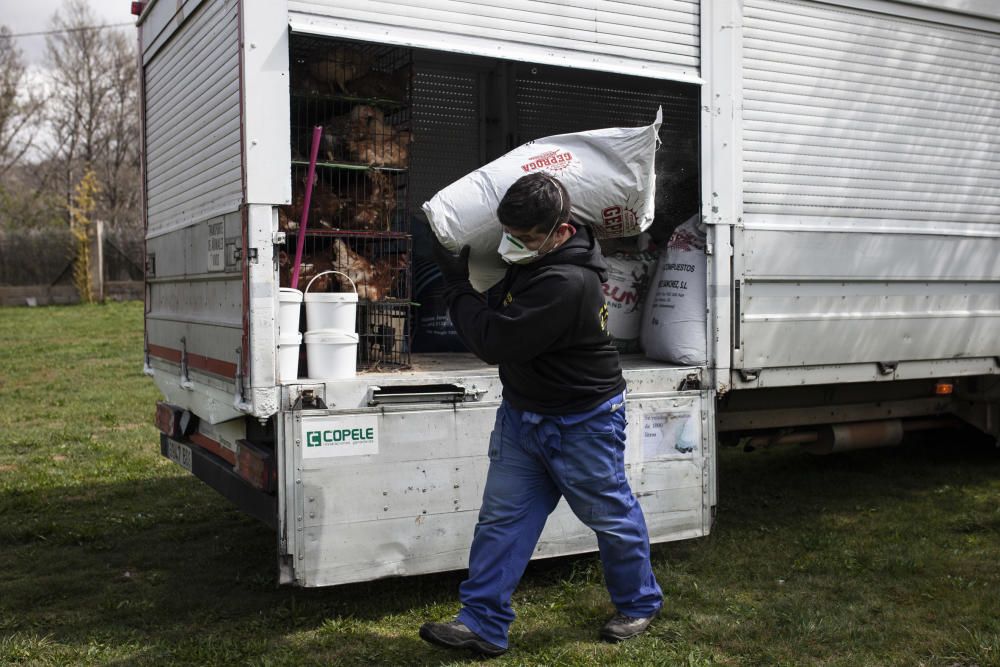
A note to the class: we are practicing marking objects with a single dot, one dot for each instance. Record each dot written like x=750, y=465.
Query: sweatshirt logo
x=602, y=313
x=509, y=299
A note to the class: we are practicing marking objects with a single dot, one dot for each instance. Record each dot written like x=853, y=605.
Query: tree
x=81, y=218
x=18, y=105
x=120, y=132
x=23, y=204
x=93, y=118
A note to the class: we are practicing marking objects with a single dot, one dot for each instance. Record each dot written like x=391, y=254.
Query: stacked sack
x=629, y=275
x=674, y=318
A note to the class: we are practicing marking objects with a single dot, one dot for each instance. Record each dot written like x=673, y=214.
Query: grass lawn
x=110, y=554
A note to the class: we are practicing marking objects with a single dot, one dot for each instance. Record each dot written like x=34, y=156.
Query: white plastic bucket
x=331, y=310
x=289, y=305
x=331, y=353
x=288, y=357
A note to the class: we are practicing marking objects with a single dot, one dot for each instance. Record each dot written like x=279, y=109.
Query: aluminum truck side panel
x=868, y=204
x=193, y=166
x=871, y=296
x=397, y=491
x=194, y=315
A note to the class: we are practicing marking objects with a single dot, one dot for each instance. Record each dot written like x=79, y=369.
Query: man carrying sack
x=560, y=430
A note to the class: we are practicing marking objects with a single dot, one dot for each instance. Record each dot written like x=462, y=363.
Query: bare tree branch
x=93, y=115
x=18, y=106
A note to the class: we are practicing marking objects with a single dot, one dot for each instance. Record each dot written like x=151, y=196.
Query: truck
x=841, y=155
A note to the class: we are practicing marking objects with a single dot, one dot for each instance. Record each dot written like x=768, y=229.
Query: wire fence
x=45, y=257
x=36, y=266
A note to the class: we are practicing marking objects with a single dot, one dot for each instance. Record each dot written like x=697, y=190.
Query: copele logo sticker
x=339, y=436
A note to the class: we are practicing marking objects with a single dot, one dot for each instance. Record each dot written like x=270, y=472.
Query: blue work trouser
x=534, y=460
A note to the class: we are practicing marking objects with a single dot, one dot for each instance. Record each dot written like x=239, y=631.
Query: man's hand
x=453, y=267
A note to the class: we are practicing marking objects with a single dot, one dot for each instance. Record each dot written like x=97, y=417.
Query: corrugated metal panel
x=158, y=22
x=192, y=114
x=446, y=118
x=664, y=33
x=192, y=306
x=868, y=112
x=553, y=100
x=871, y=219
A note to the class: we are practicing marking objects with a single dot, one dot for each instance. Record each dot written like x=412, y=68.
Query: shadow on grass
x=175, y=569
x=166, y=571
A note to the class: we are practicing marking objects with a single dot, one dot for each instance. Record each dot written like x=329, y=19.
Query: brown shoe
x=455, y=634
x=621, y=627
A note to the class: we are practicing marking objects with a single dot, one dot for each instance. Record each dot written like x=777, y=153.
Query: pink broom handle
x=310, y=179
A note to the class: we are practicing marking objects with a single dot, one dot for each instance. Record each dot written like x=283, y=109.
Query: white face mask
x=514, y=251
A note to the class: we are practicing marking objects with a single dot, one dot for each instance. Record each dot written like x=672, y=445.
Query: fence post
x=97, y=261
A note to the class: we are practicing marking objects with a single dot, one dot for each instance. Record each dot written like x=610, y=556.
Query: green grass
x=109, y=554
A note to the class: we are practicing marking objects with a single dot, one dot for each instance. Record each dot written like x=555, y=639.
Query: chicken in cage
x=358, y=221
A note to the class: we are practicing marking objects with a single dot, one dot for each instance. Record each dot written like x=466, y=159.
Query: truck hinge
x=887, y=367
x=691, y=382
x=251, y=255
x=185, y=373
x=147, y=365
x=241, y=394
x=278, y=238
x=308, y=400
x=749, y=374
x=737, y=295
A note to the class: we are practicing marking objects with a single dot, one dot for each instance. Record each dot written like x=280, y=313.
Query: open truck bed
x=844, y=159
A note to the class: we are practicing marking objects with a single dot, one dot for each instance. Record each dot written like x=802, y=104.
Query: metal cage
x=359, y=222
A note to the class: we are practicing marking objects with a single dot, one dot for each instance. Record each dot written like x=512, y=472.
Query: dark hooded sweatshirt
x=547, y=329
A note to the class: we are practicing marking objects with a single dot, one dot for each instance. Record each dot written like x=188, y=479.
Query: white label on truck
x=216, y=245
x=339, y=436
x=671, y=434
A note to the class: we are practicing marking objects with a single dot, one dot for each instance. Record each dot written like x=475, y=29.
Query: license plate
x=179, y=454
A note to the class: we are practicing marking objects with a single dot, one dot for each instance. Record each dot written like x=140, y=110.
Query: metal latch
x=251, y=255
x=278, y=238
x=240, y=397
x=691, y=382
x=308, y=400
x=887, y=367
x=422, y=393
x=185, y=374
x=749, y=374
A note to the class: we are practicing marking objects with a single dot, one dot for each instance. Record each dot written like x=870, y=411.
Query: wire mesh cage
x=358, y=222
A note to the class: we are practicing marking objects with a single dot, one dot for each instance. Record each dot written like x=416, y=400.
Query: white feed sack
x=674, y=317
x=609, y=175
x=628, y=278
